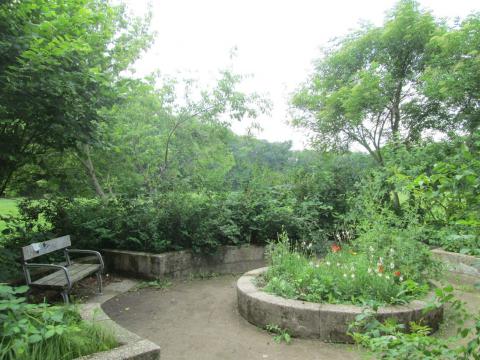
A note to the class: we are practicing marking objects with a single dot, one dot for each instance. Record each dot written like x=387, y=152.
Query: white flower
x=401, y=278
x=338, y=264
x=316, y=265
x=344, y=275
x=369, y=270
x=353, y=276
x=380, y=274
x=371, y=248
x=392, y=251
x=392, y=266
x=328, y=263
x=310, y=263
x=387, y=277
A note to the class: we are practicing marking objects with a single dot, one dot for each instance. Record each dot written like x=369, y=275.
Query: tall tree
x=366, y=87
x=157, y=140
x=60, y=63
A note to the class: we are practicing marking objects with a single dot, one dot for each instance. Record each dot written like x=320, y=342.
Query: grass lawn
x=7, y=207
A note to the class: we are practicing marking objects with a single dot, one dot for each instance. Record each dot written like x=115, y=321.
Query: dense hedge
x=173, y=221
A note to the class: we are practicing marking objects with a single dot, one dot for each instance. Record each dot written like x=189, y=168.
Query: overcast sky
x=276, y=41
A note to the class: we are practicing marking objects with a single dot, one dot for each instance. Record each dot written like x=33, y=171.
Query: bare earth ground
x=197, y=319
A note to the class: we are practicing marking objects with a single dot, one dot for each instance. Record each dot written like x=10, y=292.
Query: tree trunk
x=88, y=164
x=396, y=203
x=5, y=179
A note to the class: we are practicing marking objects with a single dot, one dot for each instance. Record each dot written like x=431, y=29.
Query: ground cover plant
x=389, y=340
x=46, y=332
x=394, y=272
x=8, y=207
x=279, y=334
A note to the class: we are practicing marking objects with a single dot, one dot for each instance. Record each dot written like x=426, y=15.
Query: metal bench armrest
x=52, y=266
x=96, y=253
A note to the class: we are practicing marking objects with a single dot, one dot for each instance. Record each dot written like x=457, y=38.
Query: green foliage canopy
x=453, y=74
x=365, y=88
x=60, y=63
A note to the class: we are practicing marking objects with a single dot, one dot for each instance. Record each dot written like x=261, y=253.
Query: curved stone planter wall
x=131, y=346
x=459, y=263
x=227, y=260
x=326, y=322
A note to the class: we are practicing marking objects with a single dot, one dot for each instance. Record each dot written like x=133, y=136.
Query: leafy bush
x=464, y=244
x=44, y=332
x=394, y=273
x=440, y=198
x=171, y=221
x=323, y=184
x=390, y=340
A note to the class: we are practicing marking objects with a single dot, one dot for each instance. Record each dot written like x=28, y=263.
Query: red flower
x=380, y=268
x=336, y=248
x=397, y=273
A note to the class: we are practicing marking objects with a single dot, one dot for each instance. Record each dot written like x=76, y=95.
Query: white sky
x=276, y=41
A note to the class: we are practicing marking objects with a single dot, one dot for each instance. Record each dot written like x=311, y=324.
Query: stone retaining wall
x=131, y=346
x=459, y=263
x=326, y=322
x=176, y=264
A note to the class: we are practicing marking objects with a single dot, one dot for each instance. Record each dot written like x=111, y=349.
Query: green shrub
x=44, y=332
x=171, y=221
x=437, y=195
x=451, y=239
x=390, y=340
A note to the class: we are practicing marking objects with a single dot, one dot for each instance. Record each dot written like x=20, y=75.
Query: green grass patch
x=8, y=207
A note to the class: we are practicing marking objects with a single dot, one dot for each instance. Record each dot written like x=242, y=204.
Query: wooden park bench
x=67, y=273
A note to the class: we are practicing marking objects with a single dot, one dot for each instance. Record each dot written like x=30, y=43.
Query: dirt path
x=198, y=320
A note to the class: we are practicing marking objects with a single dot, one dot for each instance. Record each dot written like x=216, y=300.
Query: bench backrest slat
x=41, y=248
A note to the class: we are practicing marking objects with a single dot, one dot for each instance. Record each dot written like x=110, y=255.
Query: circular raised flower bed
x=327, y=322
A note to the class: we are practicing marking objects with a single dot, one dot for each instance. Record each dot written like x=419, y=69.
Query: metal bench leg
x=65, y=297
x=99, y=282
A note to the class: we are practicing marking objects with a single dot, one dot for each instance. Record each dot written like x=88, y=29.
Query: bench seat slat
x=75, y=271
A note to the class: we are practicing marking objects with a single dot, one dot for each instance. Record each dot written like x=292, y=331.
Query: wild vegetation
x=151, y=163
x=389, y=340
x=45, y=332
